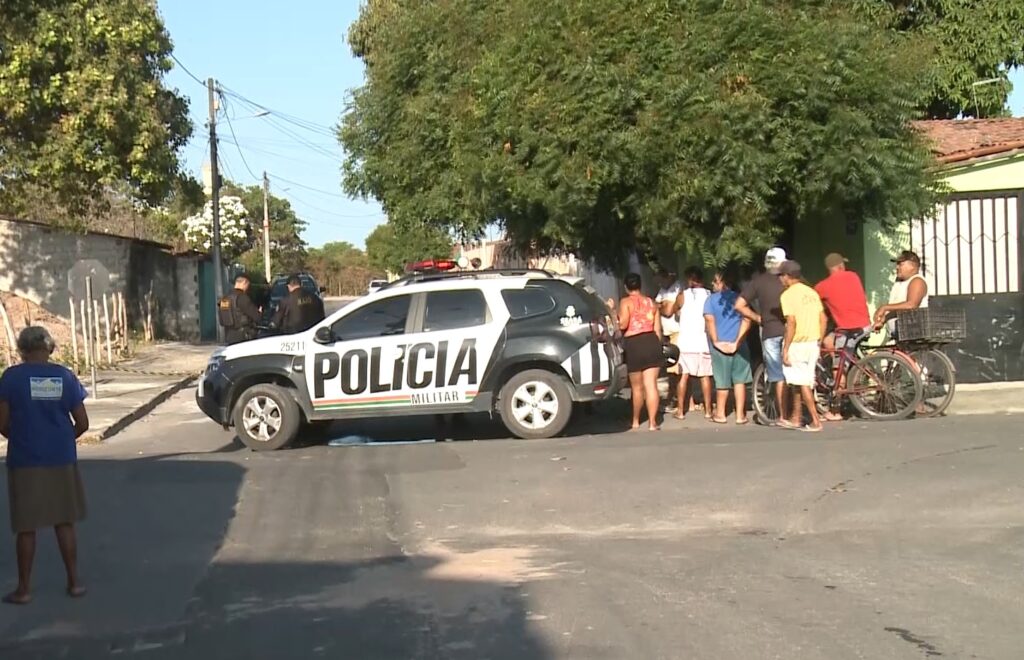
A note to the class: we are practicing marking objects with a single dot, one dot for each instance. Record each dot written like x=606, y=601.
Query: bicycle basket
x=940, y=325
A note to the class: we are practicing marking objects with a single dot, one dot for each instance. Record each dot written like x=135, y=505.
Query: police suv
x=526, y=345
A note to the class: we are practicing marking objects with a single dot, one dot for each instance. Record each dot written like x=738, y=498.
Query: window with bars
x=971, y=245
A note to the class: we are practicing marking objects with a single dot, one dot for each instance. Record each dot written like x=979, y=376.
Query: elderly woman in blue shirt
x=42, y=414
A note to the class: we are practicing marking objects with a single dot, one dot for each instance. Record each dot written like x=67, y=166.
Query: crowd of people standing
x=713, y=330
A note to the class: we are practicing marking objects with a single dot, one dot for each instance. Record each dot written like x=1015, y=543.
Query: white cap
x=773, y=258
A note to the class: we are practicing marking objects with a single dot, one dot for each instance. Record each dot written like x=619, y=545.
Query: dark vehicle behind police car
x=525, y=346
x=278, y=290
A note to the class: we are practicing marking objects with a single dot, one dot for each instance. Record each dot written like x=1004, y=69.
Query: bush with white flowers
x=235, y=231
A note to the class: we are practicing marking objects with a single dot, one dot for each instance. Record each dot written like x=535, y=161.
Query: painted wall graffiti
x=994, y=348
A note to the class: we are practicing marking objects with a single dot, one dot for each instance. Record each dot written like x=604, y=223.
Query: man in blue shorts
x=764, y=291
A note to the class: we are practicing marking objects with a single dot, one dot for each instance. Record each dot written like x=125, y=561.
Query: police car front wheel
x=535, y=404
x=266, y=417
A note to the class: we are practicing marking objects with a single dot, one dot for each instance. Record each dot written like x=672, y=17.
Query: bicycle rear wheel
x=884, y=386
x=938, y=380
x=766, y=406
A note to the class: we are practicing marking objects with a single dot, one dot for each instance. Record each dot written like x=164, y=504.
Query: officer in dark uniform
x=238, y=314
x=299, y=310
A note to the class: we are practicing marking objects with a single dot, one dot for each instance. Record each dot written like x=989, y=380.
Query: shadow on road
x=157, y=590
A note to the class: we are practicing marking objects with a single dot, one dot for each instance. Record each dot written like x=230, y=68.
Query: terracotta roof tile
x=955, y=138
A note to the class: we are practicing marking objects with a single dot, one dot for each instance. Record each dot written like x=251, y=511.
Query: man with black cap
x=805, y=326
x=909, y=291
x=299, y=310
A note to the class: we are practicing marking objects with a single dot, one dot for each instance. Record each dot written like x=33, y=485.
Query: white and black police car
x=526, y=345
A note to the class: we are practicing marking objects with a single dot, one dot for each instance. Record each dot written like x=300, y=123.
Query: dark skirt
x=643, y=352
x=45, y=497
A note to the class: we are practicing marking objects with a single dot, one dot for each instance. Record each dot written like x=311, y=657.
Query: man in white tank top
x=909, y=291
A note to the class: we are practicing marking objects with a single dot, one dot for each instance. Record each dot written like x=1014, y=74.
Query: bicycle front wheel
x=884, y=386
x=938, y=380
x=766, y=405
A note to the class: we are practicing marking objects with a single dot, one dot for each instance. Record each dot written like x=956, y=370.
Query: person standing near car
x=299, y=310
x=806, y=324
x=765, y=290
x=640, y=322
x=42, y=414
x=238, y=314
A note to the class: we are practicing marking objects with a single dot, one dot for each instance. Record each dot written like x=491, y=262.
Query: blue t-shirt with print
x=722, y=306
x=40, y=398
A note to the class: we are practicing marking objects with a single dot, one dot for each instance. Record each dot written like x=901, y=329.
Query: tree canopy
x=342, y=268
x=974, y=41
x=83, y=107
x=391, y=248
x=287, y=247
x=599, y=126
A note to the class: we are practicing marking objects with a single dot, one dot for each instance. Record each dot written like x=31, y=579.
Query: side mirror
x=324, y=335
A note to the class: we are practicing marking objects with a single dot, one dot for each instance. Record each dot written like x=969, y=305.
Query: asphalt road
x=877, y=541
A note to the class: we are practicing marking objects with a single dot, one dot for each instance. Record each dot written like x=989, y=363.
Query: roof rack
x=433, y=276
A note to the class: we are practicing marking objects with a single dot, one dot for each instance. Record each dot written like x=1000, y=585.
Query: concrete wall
x=35, y=259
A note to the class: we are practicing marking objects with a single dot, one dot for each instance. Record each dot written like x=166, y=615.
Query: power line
x=306, y=124
x=311, y=188
x=231, y=128
x=185, y=69
x=334, y=213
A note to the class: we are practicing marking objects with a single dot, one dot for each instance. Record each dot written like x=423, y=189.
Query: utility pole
x=266, y=225
x=218, y=273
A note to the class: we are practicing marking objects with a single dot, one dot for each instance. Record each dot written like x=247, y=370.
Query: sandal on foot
x=812, y=429
x=14, y=598
x=76, y=592
x=741, y=422
x=788, y=425
x=716, y=420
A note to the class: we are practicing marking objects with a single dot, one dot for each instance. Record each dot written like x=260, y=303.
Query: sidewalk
x=138, y=385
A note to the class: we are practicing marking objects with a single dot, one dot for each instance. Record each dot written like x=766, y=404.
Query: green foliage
x=287, y=247
x=602, y=126
x=342, y=268
x=390, y=248
x=83, y=109
x=973, y=41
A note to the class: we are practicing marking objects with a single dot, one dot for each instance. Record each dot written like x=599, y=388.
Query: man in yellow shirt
x=805, y=327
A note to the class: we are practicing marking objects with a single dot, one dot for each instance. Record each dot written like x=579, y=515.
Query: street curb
x=138, y=413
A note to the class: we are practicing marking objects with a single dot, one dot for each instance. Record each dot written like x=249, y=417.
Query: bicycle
x=881, y=385
x=935, y=369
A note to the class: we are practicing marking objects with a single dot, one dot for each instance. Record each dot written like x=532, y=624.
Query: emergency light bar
x=428, y=265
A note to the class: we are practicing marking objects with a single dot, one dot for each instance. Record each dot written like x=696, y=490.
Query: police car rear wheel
x=535, y=404
x=266, y=418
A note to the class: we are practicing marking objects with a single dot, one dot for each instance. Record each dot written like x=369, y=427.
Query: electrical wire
x=307, y=187
x=186, y=70
x=299, y=122
x=237, y=148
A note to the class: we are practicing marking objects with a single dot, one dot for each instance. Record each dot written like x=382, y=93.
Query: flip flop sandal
x=786, y=424
x=715, y=420
x=812, y=429
x=741, y=422
x=14, y=599
x=76, y=592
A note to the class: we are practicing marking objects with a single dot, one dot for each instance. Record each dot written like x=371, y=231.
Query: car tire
x=535, y=404
x=266, y=417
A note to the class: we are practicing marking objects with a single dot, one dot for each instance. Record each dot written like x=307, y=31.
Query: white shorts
x=803, y=358
x=695, y=364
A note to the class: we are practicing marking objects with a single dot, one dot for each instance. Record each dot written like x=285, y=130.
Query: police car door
x=365, y=366
x=456, y=331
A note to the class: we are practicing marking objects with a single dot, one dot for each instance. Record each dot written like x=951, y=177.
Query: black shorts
x=643, y=352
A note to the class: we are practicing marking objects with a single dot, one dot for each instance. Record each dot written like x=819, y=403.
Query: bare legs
x=644, y=389
x=25, y=545
x=804, y=396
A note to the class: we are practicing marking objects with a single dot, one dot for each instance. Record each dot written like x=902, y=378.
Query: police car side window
x=451, y=310
x=378, y=319
x=531, y=301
